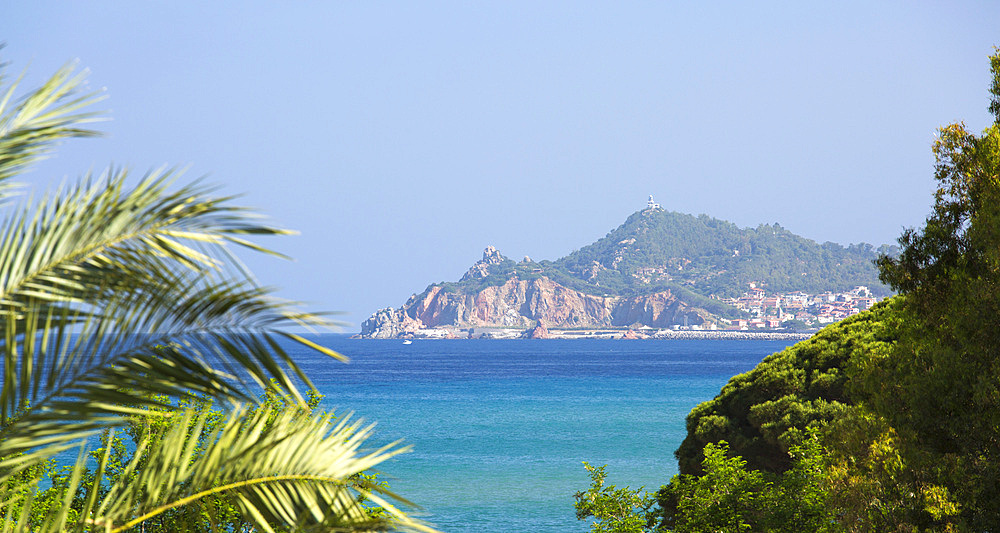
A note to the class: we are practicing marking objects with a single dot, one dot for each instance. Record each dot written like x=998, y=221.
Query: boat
x=407, y=341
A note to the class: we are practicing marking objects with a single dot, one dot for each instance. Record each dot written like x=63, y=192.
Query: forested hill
x=713, y=256
x=702, y=256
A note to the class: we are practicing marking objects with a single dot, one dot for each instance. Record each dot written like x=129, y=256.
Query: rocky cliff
x=521, y=303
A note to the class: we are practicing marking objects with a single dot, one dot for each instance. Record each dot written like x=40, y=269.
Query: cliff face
x=520, y=304
x=523, y=303
x=516, y=303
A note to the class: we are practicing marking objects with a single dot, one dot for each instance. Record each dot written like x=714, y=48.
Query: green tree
x=939, y=387
x=729, y=497
x=726, y=497
x=761, y=413
x=875, y=486
x=121, y=300
x=614, y=510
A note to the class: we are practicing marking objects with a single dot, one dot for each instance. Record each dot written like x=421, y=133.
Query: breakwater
x=732, y=335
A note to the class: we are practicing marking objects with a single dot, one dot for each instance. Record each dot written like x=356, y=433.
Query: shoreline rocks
x=537, y=332
x=389, y=323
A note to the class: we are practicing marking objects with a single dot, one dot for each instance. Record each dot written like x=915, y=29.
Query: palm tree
x=121, y=301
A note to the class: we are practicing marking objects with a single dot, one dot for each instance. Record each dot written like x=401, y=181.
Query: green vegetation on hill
x=695, y=258
x=715, y=257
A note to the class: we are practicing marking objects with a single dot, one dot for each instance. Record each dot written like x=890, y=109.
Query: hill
x=715, y=257
x=657, y=269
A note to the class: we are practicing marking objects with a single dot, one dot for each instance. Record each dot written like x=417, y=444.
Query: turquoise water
x=500, y=428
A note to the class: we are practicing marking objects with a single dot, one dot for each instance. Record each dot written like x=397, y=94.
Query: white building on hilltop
x=651, y=204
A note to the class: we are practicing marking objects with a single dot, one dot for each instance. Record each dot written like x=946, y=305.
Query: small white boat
x=407, y=341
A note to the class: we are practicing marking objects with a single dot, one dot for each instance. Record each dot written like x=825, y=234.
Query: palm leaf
x=115, y=299
x=31, y=125
x=95, y=263
x=285, y=469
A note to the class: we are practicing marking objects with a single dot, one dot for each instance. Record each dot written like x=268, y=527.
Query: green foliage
x=121, y=462
x=716, y=257
x=795, y=325
x=614, y=510
x=760, y=413
x=905, y=397
x=694, y=299
x=120, y=301
x=938, y=388
x=729, y=497
x=179, y=475
x=824, y=385
x=25, y=498
x=875, y=486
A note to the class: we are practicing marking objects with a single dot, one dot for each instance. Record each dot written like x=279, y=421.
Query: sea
x=500, y=429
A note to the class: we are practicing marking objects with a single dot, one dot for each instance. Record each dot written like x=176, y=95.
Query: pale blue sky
x=401, y=139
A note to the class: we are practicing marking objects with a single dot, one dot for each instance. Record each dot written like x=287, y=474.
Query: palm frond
x=103, y=286
x=216, y=340
x=120, y=300
x=31, y=125
x=100, y=236
x=285, y=469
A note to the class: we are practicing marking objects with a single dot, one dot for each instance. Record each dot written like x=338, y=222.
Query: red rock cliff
x=522, y=303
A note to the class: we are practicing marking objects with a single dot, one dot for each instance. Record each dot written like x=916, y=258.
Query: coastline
x=605, y=333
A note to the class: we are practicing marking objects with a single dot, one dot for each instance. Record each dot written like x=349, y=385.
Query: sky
x=400, y=139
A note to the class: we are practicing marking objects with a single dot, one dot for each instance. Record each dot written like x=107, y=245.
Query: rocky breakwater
x=523, y=303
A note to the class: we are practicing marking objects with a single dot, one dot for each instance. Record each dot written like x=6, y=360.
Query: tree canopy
x=939, y=387
x=762, y=412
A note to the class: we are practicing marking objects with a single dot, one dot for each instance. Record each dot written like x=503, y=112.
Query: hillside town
x=780, y=310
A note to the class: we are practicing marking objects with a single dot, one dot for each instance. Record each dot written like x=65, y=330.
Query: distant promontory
x=659, y=270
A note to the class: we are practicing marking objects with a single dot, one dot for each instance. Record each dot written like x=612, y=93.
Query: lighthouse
x=651, y=204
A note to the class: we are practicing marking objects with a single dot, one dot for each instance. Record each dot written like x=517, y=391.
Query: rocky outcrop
x=523, y=304
x=481, y=269
x=631, y=334
x=516, y=303
x=537, y=332
x=389, y=323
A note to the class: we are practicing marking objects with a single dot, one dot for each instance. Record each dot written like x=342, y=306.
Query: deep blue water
x=500, y=428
